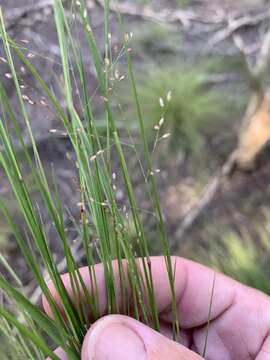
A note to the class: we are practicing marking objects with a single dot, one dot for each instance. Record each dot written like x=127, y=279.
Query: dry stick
x=237, y=24
x=165, y=16
x=208, y=194
x=263, y=59
x=186, y=17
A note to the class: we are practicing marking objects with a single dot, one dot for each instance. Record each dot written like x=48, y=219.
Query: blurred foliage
x=243, y=256
x=6, y=243
x=156, y=39
x=195, y=111
x=9, y=349
x=183, y=3
x=4, y=235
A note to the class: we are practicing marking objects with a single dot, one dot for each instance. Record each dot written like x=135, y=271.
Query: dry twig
x=207, y=196
x=185, y=17
x=234, y=25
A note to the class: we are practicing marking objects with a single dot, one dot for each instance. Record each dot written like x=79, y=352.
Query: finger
x=118, y=337
x=165, y=330
x=193, y=285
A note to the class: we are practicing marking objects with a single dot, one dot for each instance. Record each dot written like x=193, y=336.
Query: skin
x=239, y=327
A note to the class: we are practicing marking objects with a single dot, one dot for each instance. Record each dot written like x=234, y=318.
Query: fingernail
x=115, y=341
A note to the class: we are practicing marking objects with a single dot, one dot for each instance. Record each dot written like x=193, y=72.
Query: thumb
x=118, y=337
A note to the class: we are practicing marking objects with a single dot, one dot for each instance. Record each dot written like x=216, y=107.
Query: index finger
x=193, y=286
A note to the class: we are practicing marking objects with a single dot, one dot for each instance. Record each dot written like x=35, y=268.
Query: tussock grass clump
x=243, y=256
x=101, y=217
x=196, y=109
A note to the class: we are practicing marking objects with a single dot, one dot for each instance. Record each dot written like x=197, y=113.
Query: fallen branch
x=236, y=24
x=185, y=17
x=207, y=196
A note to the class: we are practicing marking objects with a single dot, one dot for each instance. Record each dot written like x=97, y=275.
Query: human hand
x=239, y=327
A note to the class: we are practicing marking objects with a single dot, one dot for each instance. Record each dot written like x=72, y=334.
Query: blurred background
x=195, y=63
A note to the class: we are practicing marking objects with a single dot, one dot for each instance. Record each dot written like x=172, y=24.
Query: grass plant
x=242, y=254
x=100, y=215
